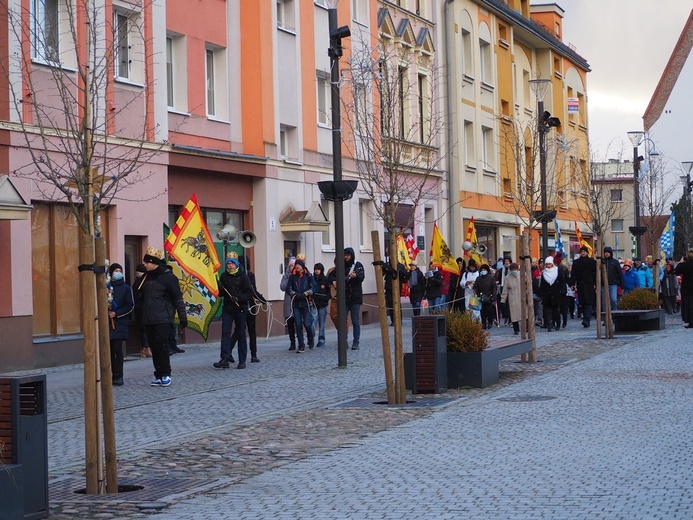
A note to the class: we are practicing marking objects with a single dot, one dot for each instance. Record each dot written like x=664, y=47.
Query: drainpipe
x=448, y=80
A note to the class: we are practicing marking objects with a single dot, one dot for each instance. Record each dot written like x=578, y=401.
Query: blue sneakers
x=156, y=382
x=164, y=381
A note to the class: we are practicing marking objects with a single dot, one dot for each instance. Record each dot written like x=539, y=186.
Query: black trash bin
x=24, y=432
x=429, y=355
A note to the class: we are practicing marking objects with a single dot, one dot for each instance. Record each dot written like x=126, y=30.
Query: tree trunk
x=400, y=385
x=89, y=317
x=106, y=373
x=598, y=290
x=385, y=333
x=528, y=330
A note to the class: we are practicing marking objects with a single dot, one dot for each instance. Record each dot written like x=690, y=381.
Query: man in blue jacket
x=302, y=287
x=644, y=273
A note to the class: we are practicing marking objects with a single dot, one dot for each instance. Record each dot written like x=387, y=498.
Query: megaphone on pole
x=247, y=239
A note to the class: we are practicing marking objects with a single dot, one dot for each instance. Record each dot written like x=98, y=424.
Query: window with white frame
x=176, y=69
x=328, y=235
x=215, y=65
x=128, y=45
x=359, y=11
x=487, y=149
x=466, y=53
x=424, y=109
x=324, y=99
x=169, y=73
x=469, y=149
x=46, y=29
x=211, y=83
x=485, y=62
x=616, y=195
x=365, y=223
x=121, y=41
x=286, y=14
x=617, y=225
x=288, y=142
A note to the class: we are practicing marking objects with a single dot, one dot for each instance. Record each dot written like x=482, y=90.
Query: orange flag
x=472, y=238
x=193, y=248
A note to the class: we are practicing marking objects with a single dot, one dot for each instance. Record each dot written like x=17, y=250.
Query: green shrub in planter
x=637, y=300
x=464, y=333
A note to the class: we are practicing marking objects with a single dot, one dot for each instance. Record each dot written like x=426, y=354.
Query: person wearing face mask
x=120, y=306
x=512, y=296
x=485, y=288
x=552, y=289
x=467, y=282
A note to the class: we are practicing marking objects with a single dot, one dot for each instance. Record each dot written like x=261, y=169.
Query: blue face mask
x=117, y=276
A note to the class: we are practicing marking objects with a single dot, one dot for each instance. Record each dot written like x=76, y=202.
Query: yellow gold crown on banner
x=301, y=257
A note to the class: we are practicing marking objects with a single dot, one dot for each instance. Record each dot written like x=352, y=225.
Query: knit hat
x=584, y=248
x=301, y=263
x=113, y=267
x=154, y=256
x=232, y=257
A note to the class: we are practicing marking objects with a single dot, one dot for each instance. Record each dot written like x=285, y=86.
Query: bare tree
x=655, y=194
x=521, y=184
x=86, y=141
x=393, y=130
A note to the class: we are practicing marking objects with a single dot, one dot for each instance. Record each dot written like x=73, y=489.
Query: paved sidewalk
x=596, y=429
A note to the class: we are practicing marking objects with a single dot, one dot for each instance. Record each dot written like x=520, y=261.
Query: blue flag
x=558, y=247
x=666, y=242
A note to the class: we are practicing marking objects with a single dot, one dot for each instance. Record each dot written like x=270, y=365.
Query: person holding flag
x=443, y=260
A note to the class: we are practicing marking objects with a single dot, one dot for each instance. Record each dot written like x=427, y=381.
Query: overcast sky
x=627, y=44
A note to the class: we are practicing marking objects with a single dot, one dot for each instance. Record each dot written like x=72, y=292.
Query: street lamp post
x=636, y=138
x=544, y=124
x=335, y=52
x=687, y=167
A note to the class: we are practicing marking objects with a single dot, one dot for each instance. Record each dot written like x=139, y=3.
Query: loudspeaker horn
x=227, y=233
x=481, y=249
x=247, y=239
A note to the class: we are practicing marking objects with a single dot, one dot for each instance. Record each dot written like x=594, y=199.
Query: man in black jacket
x=584, y=277
x=685, y=269
x=250, y=315
x=614, y=275
x=159, y=296
x=354, y=293
x=235, y=287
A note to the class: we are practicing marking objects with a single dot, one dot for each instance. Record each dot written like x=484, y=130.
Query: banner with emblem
x=666, y=241
x=412, y=249
x=192, y=246
x=583, y=242
x=402, y=254
x=441, y=256
x=201, y=305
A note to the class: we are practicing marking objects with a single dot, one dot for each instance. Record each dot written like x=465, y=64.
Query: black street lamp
x=687, y=167
x=636, y=138
x=337, y=190
x=544, y=123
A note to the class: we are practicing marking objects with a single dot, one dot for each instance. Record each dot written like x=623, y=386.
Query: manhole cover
x=526, y=398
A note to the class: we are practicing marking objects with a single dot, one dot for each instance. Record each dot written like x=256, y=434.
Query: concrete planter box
x=474, y=369
x=639, y=320
x=11, y=492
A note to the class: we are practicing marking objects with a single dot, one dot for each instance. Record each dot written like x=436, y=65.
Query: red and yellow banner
x=472, y=238
x=441, y=256
x=193, y=248
x=582, y=241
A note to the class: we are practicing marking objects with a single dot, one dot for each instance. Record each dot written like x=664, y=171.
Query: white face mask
x=117, y=276
x=483, y=272
x=514, y=272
